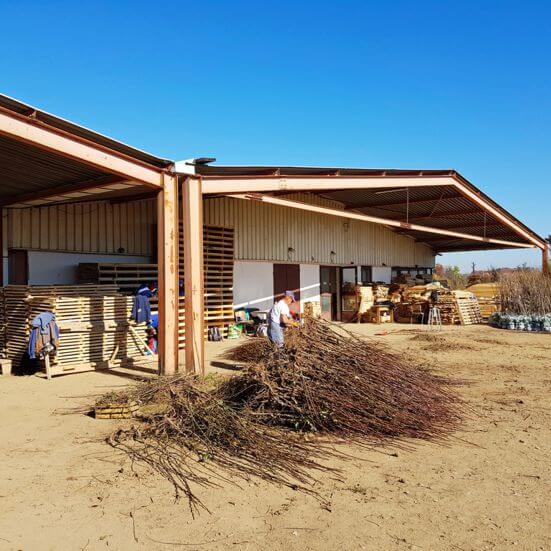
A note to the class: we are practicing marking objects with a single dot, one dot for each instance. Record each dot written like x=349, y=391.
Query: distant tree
x=456, y=279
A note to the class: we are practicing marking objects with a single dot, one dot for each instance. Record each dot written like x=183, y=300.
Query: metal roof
x=442, y=207
x=32, y=175
x=25, y=109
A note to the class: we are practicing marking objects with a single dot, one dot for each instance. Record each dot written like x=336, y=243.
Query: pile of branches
x=331, y=381
x=185, y=429
x=259, y=423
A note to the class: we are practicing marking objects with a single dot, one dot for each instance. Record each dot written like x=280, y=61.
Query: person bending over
x=279, y=318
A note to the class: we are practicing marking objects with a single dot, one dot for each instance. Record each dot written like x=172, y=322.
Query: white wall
x=381, y=273
x=253, y=285
x=309, y=284
x=48, y=268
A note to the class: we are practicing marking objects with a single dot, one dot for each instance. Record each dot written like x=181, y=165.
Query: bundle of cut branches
x=328, y=380
x=186, y=430
x=255, y=424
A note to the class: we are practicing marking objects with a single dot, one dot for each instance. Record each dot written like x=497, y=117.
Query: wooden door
x=18, y=267
x=287, y=278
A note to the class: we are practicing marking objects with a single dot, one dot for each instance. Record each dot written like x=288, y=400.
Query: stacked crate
x=93, y=321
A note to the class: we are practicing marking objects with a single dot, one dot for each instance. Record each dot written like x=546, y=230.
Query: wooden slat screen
x=218, y=250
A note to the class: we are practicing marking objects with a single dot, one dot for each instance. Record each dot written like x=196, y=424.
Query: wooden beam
x=376, y=220
x=230, y=185
x=167, y=260
x=545, y=260
x=45, y=137
x=192, y=215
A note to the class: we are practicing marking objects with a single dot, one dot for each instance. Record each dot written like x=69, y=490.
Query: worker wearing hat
x=279, y=317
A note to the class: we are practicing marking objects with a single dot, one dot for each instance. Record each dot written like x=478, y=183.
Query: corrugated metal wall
x=263, y=232
x=266, y=232
x=98, y=227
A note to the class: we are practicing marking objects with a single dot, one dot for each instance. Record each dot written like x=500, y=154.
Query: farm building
x=80, y=208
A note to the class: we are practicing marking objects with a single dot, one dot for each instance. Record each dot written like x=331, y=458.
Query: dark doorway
x=287, y=278
x=18, y=267
x=329, y=292
x=348, y=293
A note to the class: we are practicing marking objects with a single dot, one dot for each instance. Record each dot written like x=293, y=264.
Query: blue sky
x=464, y=85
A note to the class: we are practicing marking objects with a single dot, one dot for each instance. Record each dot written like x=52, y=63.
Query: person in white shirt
x=279, y=317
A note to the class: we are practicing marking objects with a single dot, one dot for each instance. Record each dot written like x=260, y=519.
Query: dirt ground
x=62, y=488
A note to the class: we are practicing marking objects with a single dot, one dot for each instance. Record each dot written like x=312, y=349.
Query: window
x=366, y=275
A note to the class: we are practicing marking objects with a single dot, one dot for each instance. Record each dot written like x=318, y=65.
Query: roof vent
x=201, y=161
x=188, y=166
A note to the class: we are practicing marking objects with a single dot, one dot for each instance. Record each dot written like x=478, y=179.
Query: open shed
x=66, y=190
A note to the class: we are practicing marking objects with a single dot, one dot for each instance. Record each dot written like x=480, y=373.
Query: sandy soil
x=62, y=488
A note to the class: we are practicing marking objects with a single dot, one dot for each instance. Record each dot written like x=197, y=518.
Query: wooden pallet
x=456, y=307
x=468, y=310
x=93, y=322
x=2, y=324
x=218, y=250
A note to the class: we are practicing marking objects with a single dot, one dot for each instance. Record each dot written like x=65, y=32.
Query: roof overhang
x=437, y=207
x=45, y=159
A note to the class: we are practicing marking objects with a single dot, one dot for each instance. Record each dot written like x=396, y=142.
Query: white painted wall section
x=253, y=285
x=309, y=284
x=49, y=268
x=381, y=273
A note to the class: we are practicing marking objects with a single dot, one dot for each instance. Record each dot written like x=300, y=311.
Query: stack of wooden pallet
x=2, y=325
x=488, y=298
x=456, y=307
x=218, y=250
x=127, y=277
x=93, y=320
x=448, y=309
